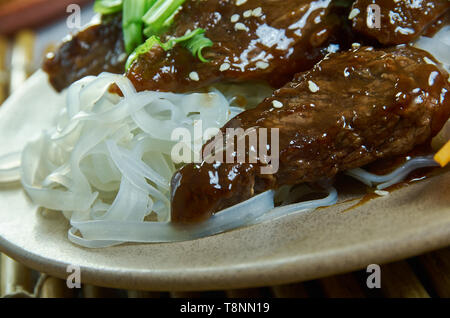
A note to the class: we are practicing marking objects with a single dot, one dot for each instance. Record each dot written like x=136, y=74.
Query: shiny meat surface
x=268, y=40
x=401, y=21
x=350, y=110
x=99, y=48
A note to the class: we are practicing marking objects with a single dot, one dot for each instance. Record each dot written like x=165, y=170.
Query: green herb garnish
x=161, y=12
x=108, y=6
x=195, y=41
x=132, y=23
x=151, y=18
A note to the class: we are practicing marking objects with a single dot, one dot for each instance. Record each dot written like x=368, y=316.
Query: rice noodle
x=110, y=232
x=394, y=177
x=99, y=144
x=304, y=206
x=10, y=167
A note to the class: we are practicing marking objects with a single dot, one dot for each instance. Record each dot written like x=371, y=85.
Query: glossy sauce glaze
x=265, y=40
x=437, y=25
x=415, y=176
x=401, y=21
x=352, y=187
x=98, y=48
x=351, y=109
x=268, y=40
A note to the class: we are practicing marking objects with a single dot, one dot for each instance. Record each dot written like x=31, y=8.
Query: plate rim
x=264, y=273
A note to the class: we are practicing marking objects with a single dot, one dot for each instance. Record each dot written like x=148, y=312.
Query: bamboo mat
x=423, y=276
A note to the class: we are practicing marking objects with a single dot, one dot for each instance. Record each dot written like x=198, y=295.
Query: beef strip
x=270, y=40
x=351, y=109
x=402, y=21
x=99, y=48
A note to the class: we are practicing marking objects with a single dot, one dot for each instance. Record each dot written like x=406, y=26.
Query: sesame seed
x=235, y=18
x=381, y=193
x=247, y=13
x=257, y=12
x=194, y=76
x=224, y=67
x=277, y=104
x=262, y=65
x=353, y=13
x=240, y=2
x=240, y=27
x=313, y=87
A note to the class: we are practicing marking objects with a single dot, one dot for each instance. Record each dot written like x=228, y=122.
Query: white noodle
x=110, y=232
x=10, y=167
x=300, y=207
x=385, y=181
x=103, y=144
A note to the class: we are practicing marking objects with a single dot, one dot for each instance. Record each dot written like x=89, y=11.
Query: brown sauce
x=437, y=25
x=283, y=38
x=401, y=21
x=415, y=176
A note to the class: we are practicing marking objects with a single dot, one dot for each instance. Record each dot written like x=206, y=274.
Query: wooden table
x=424, y=276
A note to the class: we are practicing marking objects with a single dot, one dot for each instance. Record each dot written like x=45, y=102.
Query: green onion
x=133, y=11
x=161, y=12
x=157, y=16
x=150, y=30
x=195, y=41
x=107, y=6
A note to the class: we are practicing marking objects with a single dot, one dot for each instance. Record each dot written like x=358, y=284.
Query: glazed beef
x=401, y=21
x=268, y=40
x=99, y=48
x=351, y=109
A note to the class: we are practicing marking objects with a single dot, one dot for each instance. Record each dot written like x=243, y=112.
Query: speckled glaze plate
x=411, y=220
